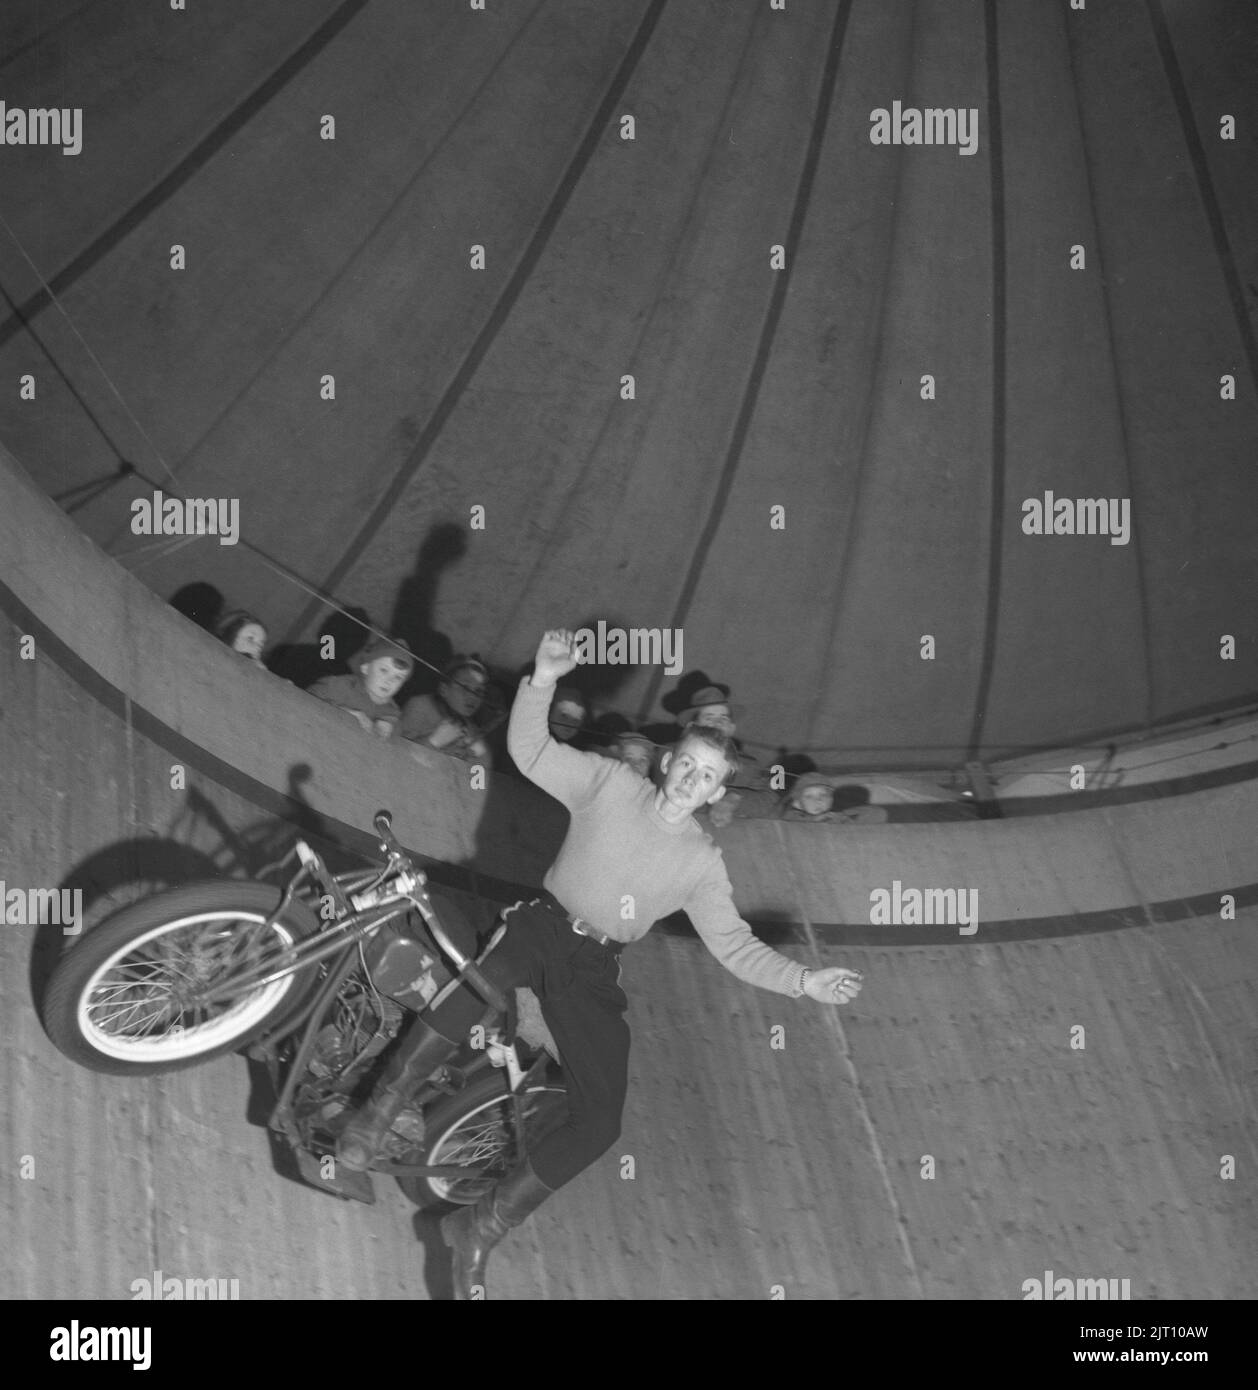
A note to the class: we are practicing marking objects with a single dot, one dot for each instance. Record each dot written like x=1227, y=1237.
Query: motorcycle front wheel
x=124, y=1000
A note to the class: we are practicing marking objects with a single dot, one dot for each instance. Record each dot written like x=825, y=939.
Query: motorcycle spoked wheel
x=476, y=1127
x=114, y=1004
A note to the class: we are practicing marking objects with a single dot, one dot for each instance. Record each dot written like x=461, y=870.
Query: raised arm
x=566, y=774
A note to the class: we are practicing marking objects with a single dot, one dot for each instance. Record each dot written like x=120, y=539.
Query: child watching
x=243, y=633
x=380, y=671
x=815, y=797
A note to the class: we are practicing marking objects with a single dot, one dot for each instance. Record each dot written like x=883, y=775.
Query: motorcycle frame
x=338, y=945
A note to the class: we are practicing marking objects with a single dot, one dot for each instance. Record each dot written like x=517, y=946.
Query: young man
x=632, y=855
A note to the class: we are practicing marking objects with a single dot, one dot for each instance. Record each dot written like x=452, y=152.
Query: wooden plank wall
x=754, y=1166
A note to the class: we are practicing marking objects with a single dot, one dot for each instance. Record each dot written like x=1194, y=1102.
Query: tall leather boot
x=472, y=1232
x=420, y=1053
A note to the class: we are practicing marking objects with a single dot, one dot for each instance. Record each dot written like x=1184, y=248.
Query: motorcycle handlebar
x=384, y=828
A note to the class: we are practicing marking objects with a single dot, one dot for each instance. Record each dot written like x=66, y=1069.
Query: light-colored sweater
x=622, y=866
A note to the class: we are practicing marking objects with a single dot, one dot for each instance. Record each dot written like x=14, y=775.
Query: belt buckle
x=583, y=928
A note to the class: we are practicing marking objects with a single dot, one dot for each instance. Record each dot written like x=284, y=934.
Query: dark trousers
x=577, y=983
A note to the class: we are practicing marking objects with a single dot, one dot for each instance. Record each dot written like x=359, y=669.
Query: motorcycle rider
x=632, y=855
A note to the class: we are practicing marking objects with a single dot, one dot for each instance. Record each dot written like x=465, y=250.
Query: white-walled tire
x=117, y=1002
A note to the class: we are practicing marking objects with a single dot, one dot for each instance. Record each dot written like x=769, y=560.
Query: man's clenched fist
x=555, y=657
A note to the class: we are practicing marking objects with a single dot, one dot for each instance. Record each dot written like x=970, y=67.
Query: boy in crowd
x=380, y=671
x=815, y=797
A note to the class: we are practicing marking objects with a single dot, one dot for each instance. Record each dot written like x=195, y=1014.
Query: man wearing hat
x=695, y=694
x=710, y=705
x=632, y=855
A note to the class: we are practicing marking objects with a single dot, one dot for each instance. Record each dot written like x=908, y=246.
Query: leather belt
x=579, y=924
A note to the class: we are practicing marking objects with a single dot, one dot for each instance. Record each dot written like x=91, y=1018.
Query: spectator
x=243, y=633
x=710, y=707
x=567, y=714
x=635, y=751
x=692, y=694
x=814, y=797
x=458, y=716
x=367, y=695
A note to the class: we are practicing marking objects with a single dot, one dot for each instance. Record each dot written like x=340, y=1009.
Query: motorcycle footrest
x=449, y=1081
x=353, y=1187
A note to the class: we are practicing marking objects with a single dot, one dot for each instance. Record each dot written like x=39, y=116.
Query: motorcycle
x=315, y=981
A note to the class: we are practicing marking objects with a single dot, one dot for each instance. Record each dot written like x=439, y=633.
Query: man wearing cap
x=632, y=855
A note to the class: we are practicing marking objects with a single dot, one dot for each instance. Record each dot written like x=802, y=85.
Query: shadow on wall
x=303, y=663
x=413, y=608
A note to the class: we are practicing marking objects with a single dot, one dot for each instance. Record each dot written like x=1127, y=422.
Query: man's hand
x=555, y=657
x=833, y=985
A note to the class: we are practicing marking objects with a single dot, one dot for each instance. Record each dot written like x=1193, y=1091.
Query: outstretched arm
x=716, y=919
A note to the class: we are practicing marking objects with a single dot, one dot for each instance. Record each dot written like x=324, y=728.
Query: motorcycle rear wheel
x=476, y=1127
x=114, y=1005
